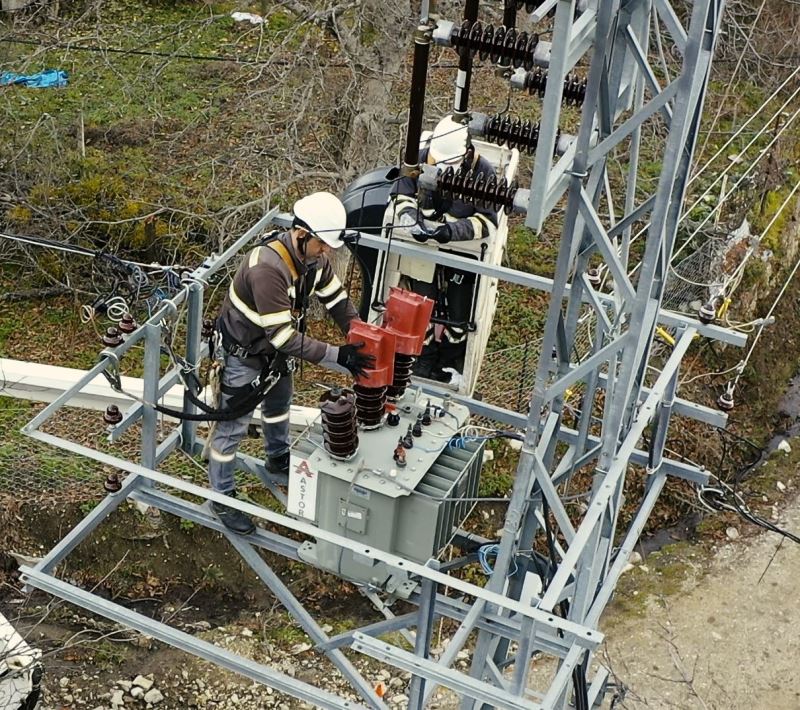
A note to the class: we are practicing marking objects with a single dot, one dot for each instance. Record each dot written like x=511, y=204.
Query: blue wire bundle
x=491, y=550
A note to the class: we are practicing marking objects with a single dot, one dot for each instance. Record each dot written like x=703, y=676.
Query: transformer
x=411, y=510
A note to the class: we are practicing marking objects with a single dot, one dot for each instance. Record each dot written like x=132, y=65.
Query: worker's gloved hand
x=353, y=359
x=420, y=233
x=406, y=218
x=443, y=233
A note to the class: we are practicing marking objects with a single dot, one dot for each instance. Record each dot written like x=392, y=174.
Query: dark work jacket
x=264, y=304
x=466, y=220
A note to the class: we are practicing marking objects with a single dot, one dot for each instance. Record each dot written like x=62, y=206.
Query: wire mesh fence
x=694, y=279
x=712, y=270
x=508, y=375
x=32, y=471
x=35, y=472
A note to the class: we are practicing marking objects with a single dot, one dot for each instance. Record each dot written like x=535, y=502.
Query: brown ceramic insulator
x=112, y=484
x=112, y=415
x=370, y=405
x=342, y=447
x=112, y=337
x=725, y=401
x=126, y=324
x=402, y=376
x=339, y=425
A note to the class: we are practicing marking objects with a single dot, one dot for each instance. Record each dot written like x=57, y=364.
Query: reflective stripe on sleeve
x=282, y=336
x=336, y=300
x=455, y=335
x=330, y=288
x=482, y=225
x=264, y=321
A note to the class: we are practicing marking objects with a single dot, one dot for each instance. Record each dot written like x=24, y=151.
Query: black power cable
x=151, y=53
x=727, y=498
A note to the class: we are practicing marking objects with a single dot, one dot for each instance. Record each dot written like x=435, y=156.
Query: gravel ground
x=144, y=674
x=724, y=636
x=729, y=640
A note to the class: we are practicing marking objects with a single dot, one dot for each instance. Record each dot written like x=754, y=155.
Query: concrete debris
x=23, y=559
x=143, y=682
x=250, y=17
x=784, y=446
x=732, y=533
x=635, y=558
x=153, y=696
x=781, y=486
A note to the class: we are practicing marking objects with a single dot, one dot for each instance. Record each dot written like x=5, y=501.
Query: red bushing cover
x=407, y=316
x=379, y=343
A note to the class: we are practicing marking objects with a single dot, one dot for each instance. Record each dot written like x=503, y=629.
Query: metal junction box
x=411, y=511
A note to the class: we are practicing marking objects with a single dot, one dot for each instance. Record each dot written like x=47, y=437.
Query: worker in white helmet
x=444, y=220
x=262, y=328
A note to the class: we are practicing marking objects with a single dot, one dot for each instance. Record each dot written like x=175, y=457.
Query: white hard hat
x=449, y=141
x=323, y=215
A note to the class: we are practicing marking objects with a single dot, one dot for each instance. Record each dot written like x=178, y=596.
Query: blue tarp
x=40, y=80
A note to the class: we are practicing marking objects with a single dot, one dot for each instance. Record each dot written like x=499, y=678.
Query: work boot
x=278, y=464
x=233, y=519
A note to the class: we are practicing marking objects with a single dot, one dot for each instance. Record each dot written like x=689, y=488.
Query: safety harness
x=245, y=398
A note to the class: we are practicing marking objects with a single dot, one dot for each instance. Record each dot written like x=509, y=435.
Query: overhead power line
x=177, y=55
x=727, y=169
x=764, y=152
x=747, y=123
x=761, y=155
x=777, y=298
x=151, y=53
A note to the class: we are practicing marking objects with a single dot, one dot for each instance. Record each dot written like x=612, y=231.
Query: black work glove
x=419, y=233
x=351, y=358
x=443, y=233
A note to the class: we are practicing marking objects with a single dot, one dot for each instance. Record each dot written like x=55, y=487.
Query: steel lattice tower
x=619, y=397
x=594, y=552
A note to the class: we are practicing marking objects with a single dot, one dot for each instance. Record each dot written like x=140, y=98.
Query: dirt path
x=730, y=640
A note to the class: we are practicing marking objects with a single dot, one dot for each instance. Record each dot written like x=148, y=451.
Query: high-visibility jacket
x=265, y=305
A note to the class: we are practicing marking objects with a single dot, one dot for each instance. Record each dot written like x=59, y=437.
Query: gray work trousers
x=228, y=434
